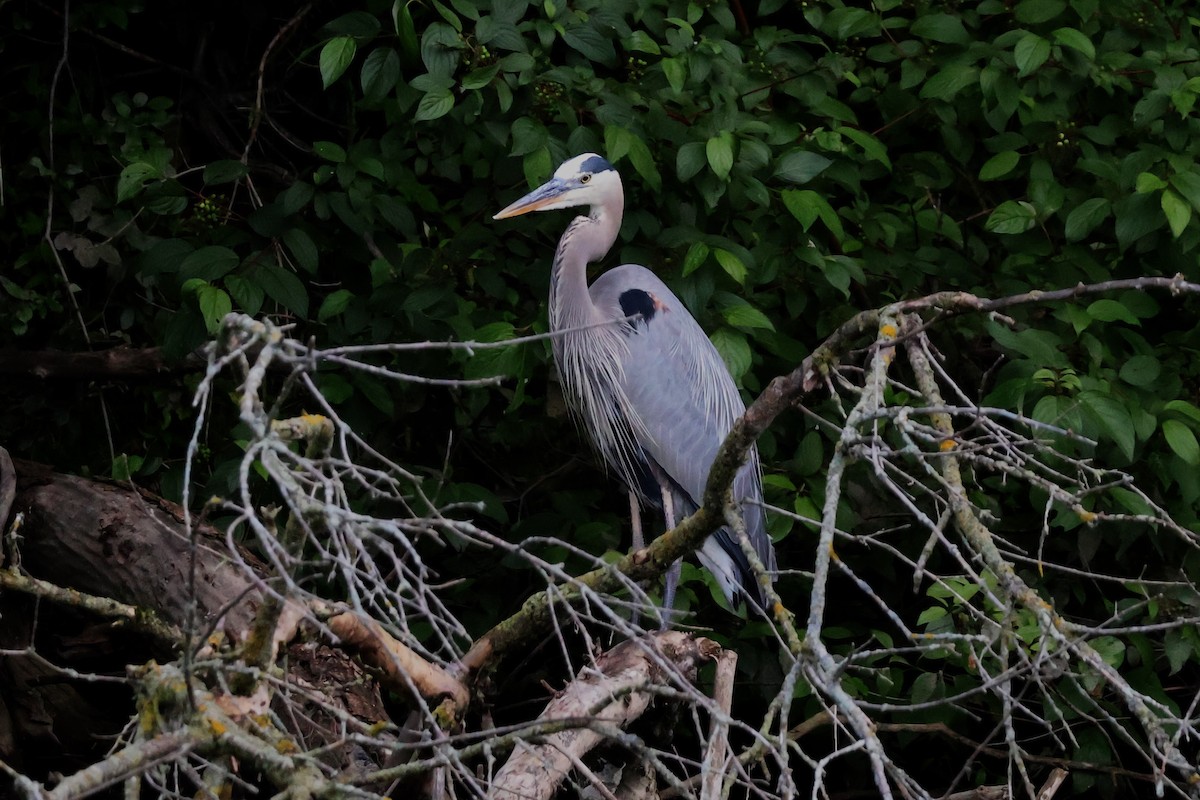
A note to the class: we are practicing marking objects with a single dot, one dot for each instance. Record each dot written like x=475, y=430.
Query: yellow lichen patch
x=286, y=747
x=217, y=727
x=1087, y=516
x=888, y=330
x=313, y=419
x=947, y=444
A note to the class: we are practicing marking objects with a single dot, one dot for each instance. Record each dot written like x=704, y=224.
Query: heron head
x=585, y=180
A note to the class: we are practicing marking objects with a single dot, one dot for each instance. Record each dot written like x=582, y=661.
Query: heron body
x=641, y=376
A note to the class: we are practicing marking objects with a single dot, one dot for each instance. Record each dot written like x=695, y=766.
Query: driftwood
x=610, y=694
x=118, y=363
x=111, y=567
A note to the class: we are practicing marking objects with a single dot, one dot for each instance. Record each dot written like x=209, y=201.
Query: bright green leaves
x=336, y=57
x=1070, y=37
x=1177, y=212
x=1180, y=196
x=1033, y=12
x=1085, y=217
x=675, y=70
x=947, y=28
x=719, y=151
x=1179, y=430
x=1030, y=53
x=380, y=73
x=999, y=165
x=733, y=266
x=1182, y=441
x=808, y=206
x=620, y=142
x=1012, y=216
x=949, y=81
x=734, y=351
x=801, y=166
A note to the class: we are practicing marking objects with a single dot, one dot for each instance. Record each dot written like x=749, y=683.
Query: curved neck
x=586, y=239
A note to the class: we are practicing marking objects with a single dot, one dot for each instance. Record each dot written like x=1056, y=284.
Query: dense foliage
x=786, y=165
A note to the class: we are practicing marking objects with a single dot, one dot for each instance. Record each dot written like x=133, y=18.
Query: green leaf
x=946, y=28
x=1030, y=53
x=1182, y=441
x=734, y=351
x=676, y=71
x=302, y=249
x=214, y=305
x=1178, y=648
x=478, y=78
x=209, y=263
x=248, y=294
x=719, y=150
x=1188, y=185
x=589, y=41
x=537, y=166
x=1012, y=216
x=1033, y=12
x=1183, y=408
x=1147, y=182
x=872, y=147
x=746, y=316
x=643, y=162
x=690, y=159
x=359, y=24
x=296, y=197
x=440, y=49
x=434, y=105
x=951, y=80
x=336, y=56
x=406, y=32
x=224, y=172
x=801, y=166
x=283, y=287
x=1140, y=370
x=334, y=304
x=133, y=178
x=1113, y=419
x=697, y=254
x=732, y=265
x=642, y=42
x=807, y=206
x=330, y=151
x=1177, y=210
x=1106, y=310
x=1069, y=37
x=380, y=73
x=1084, y=218
x=999, y=165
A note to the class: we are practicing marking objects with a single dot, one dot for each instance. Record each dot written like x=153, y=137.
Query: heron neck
x=586, y=239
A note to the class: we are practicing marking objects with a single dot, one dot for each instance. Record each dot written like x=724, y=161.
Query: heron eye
x=584, y=178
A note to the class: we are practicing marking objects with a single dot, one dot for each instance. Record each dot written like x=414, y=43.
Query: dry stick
x=781, y=393
x=133, y=759
x=979, y=537
x=402, y=667
x=613, y=691
x=713, y=767
x=263, y=642
x=137, y=617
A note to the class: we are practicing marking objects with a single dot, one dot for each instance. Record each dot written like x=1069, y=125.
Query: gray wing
x=681, y=391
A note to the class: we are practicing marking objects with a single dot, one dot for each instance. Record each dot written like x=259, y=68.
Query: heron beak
x=536, y=200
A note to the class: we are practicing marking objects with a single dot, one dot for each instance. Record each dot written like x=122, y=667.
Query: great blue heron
x=641, y=376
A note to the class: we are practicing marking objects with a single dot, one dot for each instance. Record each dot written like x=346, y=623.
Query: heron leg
x=635, y=521
x=673, y=572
